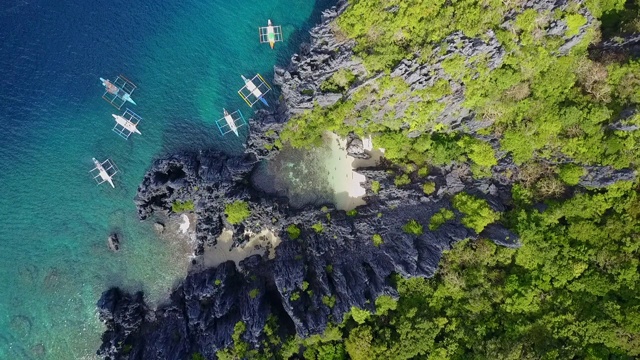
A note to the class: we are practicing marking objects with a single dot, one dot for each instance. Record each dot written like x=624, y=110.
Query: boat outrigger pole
x=254, y=90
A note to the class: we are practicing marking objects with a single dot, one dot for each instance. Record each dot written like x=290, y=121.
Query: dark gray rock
x=300, y=82
x=603, y=176
x=341, y=262
x=501, y=235
x=355, y=147
x=113, y=241
x=628, y=46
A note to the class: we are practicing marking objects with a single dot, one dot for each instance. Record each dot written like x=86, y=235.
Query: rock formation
x=338, y=263
x=113, y=241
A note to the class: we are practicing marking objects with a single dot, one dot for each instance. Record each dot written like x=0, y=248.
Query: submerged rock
x=158, y=227
x=113, y=241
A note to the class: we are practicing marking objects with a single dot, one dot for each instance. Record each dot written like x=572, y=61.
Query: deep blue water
x=185, y=56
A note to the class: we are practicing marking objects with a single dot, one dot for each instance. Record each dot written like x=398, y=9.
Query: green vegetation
x=353, y=212
x=572, y=290
x=295, y=296
x=293, y=231
x=477, y=212
x=218, y=282
x=429, y=187
x=317, y=227
x=402, y=180
x=239, y=349
x=439, y=218
x=237, y=211
x=329, y=301
x=198, y=356
x=377, y=240
x=412, y=227
x=182, y=206
x=254, y=293
x=570, y=174
x=339, y=82
x=359, y=315
x=375, y=186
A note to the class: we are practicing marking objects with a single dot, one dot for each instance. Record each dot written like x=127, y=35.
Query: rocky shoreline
x=315, y=277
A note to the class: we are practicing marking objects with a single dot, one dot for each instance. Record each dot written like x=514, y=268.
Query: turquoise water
x=186, y=57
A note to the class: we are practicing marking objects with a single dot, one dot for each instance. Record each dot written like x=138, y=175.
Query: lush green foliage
x=293, y=231
x=477, y=213
x=570, y=174
x=402, y=180
x=375, y=186
x=317, y=227
x=439, y=218
x=543, y=301
x=237, y=211
x=572, y=291
x=377, y=239
x=429, y=187
x=340, y=81
x=182, y=206
x=197, y=356
x=254, y=293
x=412, y=227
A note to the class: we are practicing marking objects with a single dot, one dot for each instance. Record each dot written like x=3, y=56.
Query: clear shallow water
x=186, y=57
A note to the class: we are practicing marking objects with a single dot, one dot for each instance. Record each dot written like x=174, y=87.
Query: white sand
x=346, y=182
x=259, y=244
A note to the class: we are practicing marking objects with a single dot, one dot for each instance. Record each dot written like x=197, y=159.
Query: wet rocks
x=122, y=314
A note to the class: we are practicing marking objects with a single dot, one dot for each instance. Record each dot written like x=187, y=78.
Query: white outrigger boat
x=126, y=124
x=103, y=171
x=230, y=122
x=270, y=34
x=118, y=92
x=254, y=90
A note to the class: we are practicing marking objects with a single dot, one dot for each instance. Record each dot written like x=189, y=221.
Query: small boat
x=102, y=170
x=254, y=90
x=118, y=92
x=270, y=34
x=230, y=122
x=130, y=126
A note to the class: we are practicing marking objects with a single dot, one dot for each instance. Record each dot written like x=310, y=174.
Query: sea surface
x=185, y=56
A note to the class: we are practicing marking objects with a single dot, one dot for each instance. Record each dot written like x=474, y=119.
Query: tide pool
x=186, y=57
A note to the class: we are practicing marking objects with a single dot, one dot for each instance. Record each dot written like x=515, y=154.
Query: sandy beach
x=342, y=177
x=258, y=244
